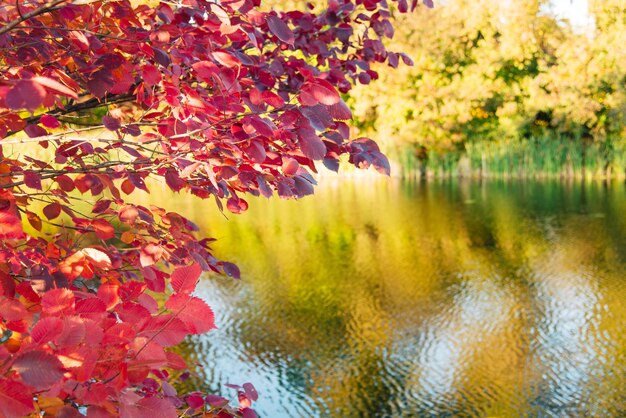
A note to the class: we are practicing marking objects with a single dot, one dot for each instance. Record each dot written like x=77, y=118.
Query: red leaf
x=137, y=181
x=175, y=361
x=74, y=332
x=318, y=116
x=16, y=400
x=35, y=131
x=248, y=413
x=127, y=186
x=226, y=59
x=184, y=279
x=55, y=86
x=166, y=330
x=26, y=94
x=111, y=123
x=26, y=290
x=150, y=254
x=193, y=312
x=154, y=279
x=73, y=265
x=311, y=145
x=65, y=183
x=173, y=180
x=101, y=83
x=109, y=294
x=133, y=313
x=236, y=205
x=10, y=226
x=215, y=400
x=195, y=401
x=280, y=29
x=340, y=111
x=98, y=412
x=101, y=206
x=103, y=229
x=88, y=307
x=250, y=391
x=273, y=99
x=32, y=180
x=151, y=75
x=39, y=369
x=205, y=69
x=34, y=220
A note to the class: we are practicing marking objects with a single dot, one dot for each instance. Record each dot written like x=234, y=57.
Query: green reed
x=546, y=156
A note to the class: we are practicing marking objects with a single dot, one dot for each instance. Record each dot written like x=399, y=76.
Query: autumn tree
x=101, y=98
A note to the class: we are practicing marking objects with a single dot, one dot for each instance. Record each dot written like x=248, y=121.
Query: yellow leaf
x=127, y=237
x=50, y=405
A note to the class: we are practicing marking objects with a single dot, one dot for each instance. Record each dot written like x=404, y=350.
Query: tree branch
x=33, y=13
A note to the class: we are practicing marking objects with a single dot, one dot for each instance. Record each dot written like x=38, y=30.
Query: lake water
x=384, y=298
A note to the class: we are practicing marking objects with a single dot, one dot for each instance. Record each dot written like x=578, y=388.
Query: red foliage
x=216, y=99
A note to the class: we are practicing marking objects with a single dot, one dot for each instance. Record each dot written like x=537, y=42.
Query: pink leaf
x=193, y=312
x=26, y=94
x=165, y=330
x=46, y=329
x=109, y=294
x=39, y=369
x=148, y=408
x=12, y=309
x=16, y=400
x=150, y=254
x=111, y=123
x=184, y=279
x=290, y=166
x=324, y=92
x=98, y=258
x=55, y=86
x=311, y=145
x=58, y=302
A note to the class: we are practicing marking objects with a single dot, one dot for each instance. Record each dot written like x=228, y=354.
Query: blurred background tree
x=503, y=88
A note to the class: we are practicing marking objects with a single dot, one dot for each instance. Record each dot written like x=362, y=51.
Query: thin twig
x=33, y=13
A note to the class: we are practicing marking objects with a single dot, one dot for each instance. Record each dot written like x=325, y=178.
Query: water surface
x=396, y=299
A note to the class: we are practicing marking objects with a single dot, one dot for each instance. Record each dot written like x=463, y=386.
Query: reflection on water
x=391, y=299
